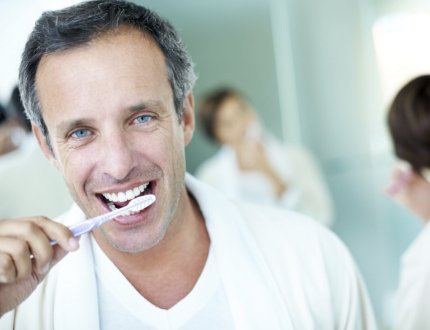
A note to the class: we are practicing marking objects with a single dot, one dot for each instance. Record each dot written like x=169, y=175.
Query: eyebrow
x=67, y=126
x=145, y=105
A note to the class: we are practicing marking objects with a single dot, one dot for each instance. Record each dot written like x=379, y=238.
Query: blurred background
x=321, y=74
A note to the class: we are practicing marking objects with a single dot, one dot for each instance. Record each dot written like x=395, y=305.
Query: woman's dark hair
x=3, y=116
x=211, y=104
x=409, y=123
x=16, y=109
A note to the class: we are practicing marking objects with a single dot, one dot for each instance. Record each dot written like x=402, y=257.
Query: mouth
x=117, y=199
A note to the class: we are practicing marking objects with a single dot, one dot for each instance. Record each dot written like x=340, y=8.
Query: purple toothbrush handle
x=79, y=229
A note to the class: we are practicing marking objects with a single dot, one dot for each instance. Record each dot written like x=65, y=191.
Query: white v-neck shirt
x=121, y=306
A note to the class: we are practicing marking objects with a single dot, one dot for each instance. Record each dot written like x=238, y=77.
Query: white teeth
x=122, y=197
x=129, y=194
x=143, y=187
x=126, y=195
x=112, y=206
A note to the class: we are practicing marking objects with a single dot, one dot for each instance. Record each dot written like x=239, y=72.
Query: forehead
x=116, y=68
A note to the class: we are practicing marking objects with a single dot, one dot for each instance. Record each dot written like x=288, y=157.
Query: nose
x=117, y=159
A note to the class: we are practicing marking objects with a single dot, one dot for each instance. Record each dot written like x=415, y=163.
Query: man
x=108, y=87
x=408, y=121
x=253, y=166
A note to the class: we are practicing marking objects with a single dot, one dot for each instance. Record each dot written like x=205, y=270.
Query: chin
x=139, y=239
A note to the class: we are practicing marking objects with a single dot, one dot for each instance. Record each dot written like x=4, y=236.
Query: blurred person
x=18, y=121
x=16, y=111
x=18, y=126
x=3, y=137
x=409, y=125
x=10, y=133
x=108, y=87
x=253, y=166
x=24, y=168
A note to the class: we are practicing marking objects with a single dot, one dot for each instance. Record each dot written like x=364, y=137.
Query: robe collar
x=254, y=299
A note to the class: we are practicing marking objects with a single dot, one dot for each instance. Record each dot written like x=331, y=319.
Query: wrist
x=280, y=186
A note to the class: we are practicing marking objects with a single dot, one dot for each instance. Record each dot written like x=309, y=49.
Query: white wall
x=16, y=22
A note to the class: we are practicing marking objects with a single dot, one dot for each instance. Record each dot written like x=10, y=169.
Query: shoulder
x=308, y=260
x=290, y=240
x=287, y=226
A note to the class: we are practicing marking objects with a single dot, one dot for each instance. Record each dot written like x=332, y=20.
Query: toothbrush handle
x=80, y=229
x=88, y=225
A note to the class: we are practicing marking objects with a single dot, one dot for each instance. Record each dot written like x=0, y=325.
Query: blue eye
x=80, y=133
x=143, y=119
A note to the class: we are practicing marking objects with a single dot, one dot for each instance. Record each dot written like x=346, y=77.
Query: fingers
x=58, y=232
x=59, y=254
x=16, y=258
x=7, y=268
x=35, y=237
x=21, y=238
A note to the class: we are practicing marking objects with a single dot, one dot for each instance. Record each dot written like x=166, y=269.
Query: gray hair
x=77, y=25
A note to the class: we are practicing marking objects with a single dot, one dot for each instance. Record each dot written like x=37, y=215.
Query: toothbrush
x=83, y=227
x=136, y=205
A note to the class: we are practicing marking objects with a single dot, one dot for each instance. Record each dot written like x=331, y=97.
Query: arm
x=412, y=191
x=252, y=156
x=350, y=302
x=309, y=193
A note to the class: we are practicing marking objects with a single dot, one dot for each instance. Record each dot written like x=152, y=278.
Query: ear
x=188, y=118
x=46, y=149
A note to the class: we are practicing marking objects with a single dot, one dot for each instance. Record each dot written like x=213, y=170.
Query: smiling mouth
x=116, y=200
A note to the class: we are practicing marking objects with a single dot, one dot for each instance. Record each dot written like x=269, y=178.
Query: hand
x=19, y=238
x=251, y=156
x=412, y=191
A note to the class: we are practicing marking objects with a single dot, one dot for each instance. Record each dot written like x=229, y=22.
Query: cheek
x=76, y=167
x=172, y=149
x=230, y=133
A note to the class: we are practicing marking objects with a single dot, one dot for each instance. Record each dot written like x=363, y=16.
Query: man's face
x=108, y=107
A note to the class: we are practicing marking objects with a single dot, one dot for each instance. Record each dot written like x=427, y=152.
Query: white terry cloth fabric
x=122, y=307
x=279, y=270
x=413, y=295
x=307, y=192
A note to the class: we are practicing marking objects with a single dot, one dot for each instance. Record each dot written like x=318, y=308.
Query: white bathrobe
x=279, y=271
x=413, y=296
x=307, y=192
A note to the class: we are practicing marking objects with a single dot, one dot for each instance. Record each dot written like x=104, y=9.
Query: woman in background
x=252, y=165
x=409, y=124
